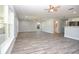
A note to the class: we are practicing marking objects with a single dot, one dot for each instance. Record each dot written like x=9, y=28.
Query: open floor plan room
x=39, y=29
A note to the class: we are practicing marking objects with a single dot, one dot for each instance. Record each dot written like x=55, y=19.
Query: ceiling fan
x=53, y=8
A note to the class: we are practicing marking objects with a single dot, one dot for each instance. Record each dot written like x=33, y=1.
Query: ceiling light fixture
x=53, y=7
x=51, y=10
x=38, y=23
x=74, y=12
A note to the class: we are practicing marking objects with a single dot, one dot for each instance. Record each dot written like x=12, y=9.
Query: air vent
x=70, y=8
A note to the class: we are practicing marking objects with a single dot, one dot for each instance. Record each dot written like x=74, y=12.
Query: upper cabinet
x=72, y=22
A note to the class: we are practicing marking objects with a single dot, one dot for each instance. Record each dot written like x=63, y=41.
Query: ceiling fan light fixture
x=51, y=10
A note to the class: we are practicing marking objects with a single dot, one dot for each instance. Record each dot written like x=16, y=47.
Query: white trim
x=74, y=38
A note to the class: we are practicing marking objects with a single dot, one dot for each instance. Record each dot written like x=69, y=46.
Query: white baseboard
x=72, y=37
x=11, y=47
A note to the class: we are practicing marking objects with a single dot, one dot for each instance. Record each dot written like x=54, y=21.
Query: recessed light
x=56, y=22
x=38, y=23
x=74, y=12
x=26, y=16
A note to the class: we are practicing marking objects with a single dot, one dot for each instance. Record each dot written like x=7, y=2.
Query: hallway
x=44, y=43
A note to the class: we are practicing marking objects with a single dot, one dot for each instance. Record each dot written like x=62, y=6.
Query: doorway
x=56, y=26
x=38, y=26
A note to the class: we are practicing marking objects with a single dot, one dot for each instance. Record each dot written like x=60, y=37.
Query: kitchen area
x=72, y=28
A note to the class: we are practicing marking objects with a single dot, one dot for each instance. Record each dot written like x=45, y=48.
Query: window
x=2, y=25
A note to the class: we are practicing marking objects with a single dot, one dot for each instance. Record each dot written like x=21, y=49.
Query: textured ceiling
x=38, y=13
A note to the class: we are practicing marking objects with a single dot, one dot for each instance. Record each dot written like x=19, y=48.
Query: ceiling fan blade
x=46, y=9
x=55, y=9
x=57, y=6
x=71, y=9
x=50, y=7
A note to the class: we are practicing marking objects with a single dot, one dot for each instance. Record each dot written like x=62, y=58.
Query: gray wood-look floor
x=44, y=43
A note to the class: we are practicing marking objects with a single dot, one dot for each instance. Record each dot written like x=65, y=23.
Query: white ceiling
x=38, y=13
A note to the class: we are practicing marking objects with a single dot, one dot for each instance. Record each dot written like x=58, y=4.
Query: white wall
x=60, y=26
x=16, y=26
x=27, y=26
x=47, y=26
